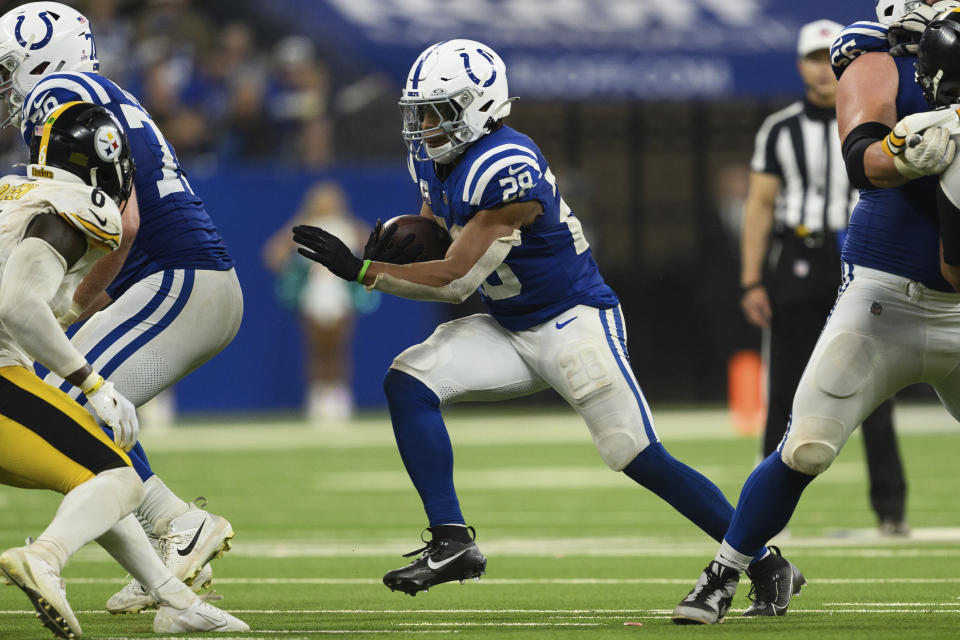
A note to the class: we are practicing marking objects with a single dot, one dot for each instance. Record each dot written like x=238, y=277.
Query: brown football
x=432, y=236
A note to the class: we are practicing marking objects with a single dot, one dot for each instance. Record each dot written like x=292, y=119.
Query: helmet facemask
x=432, y=119
x=9, y=65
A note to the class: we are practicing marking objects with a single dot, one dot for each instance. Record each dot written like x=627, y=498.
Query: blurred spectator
x=297, y=97
x=324, y=301
x=114, y=36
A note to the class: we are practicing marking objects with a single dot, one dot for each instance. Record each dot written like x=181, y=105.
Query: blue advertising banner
x=575, y=49
x=264, y=367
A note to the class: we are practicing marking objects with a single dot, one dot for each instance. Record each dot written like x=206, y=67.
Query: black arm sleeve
x=855, y=145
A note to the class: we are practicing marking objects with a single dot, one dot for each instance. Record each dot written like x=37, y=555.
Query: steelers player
x=54, y=225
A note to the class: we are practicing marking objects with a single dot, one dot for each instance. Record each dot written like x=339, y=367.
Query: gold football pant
x=47, y=441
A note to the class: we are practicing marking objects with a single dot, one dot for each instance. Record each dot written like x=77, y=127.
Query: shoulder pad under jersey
x=501, y=174
x=854, y=41
x=86, y=209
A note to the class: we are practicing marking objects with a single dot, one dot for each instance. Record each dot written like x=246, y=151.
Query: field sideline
x=575, y=551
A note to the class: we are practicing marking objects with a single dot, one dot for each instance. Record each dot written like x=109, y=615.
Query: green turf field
x=574, y=550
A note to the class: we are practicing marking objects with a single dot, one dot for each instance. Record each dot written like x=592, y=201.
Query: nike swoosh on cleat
x=186, y=550
x=561, y=325
x=219, y=620
x=439, y=565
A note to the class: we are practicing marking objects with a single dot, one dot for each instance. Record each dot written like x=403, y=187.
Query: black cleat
x=775, y=582
x=709, y=600
x=443, y=560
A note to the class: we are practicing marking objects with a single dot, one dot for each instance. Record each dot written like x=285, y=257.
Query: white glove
x=921, y=145
x=927, y=154
x=904, y=34
x=116, y=411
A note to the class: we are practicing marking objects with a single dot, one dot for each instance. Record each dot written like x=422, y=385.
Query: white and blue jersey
x=896, y=230
x=552, y=269
x=175, y=230
x=854, y=41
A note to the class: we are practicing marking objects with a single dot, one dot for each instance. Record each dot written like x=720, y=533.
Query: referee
x=794, y=219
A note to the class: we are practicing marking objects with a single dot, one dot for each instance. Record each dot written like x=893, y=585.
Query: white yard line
x=861, y=543
x=481, y=427
x=523, y=581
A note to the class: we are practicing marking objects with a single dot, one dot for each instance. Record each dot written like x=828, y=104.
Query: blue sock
x=137, y=456
x=424, y=445
x=685, y=489
x=767, y=501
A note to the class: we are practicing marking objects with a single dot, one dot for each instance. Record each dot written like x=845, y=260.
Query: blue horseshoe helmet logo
x=470, y=74
x=36, y=45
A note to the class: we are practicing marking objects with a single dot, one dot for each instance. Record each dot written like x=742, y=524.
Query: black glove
x=327, y=249
x=378, y=246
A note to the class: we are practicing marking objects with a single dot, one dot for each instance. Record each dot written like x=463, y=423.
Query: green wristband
x=363, y=270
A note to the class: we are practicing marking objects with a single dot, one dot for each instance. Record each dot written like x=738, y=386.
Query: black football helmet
x=938, y=60
x=86, y=140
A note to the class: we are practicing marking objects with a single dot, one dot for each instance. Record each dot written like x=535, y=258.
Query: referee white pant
x=160, y=329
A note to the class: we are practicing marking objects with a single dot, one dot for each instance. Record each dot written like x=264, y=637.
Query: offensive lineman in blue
x=162, y=304
x=552, y=320
x=896, y=321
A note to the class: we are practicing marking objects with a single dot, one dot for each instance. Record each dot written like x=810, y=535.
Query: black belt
x=810, y=239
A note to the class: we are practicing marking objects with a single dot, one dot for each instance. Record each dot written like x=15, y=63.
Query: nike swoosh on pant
x=186, y=550
x=439, y=565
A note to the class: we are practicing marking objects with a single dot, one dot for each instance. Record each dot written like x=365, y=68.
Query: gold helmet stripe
x=48, y=126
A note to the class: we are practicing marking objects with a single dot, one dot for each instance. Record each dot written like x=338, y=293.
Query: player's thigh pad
x=49, y=441
x=862, y=358
x=161, y=329
x=582, y=353
x=470, y=359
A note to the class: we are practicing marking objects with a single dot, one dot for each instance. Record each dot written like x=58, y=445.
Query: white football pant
x=885, y=332
x=159, y=330
x=581, y=353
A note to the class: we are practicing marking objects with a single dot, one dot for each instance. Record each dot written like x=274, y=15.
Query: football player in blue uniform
x=174, y=298
x=896, y=321
x=552, y=321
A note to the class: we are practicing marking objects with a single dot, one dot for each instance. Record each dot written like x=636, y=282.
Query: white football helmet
x=892, y=10
x=457, y=90
x=36, y=39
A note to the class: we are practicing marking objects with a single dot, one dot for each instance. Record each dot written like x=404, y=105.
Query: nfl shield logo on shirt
x=425, y=191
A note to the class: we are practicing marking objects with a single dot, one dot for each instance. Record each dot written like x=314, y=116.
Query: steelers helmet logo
x=108, y=143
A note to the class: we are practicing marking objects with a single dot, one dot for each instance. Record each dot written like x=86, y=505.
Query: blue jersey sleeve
x=854, y=41
x=505, y=173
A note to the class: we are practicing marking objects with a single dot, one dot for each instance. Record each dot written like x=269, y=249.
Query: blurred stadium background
x=646, y=111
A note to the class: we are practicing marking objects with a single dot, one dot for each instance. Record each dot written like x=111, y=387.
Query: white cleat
x=133, y=598
x=190, y=541
x=200, y=616
x=44, y=586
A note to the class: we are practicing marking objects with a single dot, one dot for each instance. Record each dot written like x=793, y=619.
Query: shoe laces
x=714, y=582
x=435, y=544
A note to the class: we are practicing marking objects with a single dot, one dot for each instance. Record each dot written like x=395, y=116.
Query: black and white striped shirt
x=800, y=145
